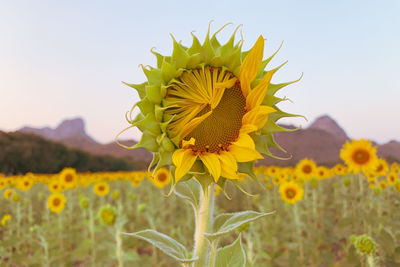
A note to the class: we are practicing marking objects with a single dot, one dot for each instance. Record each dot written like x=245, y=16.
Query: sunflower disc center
x=361, y=156
x=222, y=127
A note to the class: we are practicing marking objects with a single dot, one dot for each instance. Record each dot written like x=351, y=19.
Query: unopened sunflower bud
x=107, y=215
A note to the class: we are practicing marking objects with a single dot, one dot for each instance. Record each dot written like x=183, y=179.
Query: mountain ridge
x=320, y=141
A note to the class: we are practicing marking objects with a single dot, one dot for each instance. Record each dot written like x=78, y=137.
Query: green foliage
x=232, y=255
x=21, y=153
x=168, y=245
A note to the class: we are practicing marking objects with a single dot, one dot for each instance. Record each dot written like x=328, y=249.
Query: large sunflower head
x=208, y=110
x=56, y=202
x=359, y=155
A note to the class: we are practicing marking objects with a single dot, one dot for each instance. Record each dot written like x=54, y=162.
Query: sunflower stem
x=204, y=221
x=299, y=234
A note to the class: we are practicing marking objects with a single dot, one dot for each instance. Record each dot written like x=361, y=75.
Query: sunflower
x=107, y=215
x=101, y=189
x=339, y=169
x=161, y=178
x=56, y=202
x=359, y=156
x=382, y=184
x=323, y=172
x=55, y=186
x=382, y=168
x=5, y=219
x=68, y=177
x=25, y=183
x=392, y=178
x=306, y=168
x=291, y=192
x=202, y=107
x=8, y=193
x=395, y=167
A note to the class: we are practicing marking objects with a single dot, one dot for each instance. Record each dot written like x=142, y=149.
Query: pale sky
x=66, y=59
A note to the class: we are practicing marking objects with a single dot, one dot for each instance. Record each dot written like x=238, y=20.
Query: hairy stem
x=204, y=220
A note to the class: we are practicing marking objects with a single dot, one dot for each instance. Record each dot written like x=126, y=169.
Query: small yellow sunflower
x=56, y=202
x=25, y=183
x=395, y=168
x=306, y=169
x=339, y=169
x=55, y=186
x=5, y=219
x=382, y=168
x=359, y=156
x=323, y=172
x=161, y=178
x=382, y=184
x=68, y=177
x=101, y=189
x=8, y=193
x=291, y=192
x=392, y=178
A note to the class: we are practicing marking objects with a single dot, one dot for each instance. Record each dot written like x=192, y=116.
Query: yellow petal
x=256, y=96
x=186, y=144
x=212, y=163
x=244, y=154
x=187, y=160
x=190, y=126
x=220, y=89
x=258, y=116
x=248, y=128
x=228, y=165
x=178, y=156
x=250, y=65
x=245, y=140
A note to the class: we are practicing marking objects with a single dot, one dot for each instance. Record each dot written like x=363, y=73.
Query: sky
x=66, y=59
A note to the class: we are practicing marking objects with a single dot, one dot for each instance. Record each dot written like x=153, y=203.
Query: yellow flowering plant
x=207, y=112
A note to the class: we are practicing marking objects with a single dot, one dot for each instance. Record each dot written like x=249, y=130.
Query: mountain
x=72, y=133
x=321, y=141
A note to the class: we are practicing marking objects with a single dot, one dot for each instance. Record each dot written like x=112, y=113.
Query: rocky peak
x=327, y=124
x=71, y=128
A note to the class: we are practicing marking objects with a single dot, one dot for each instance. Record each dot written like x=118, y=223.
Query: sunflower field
x=322, y=216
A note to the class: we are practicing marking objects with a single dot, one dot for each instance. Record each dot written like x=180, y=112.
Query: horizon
x=63, y=60
x=309, y=123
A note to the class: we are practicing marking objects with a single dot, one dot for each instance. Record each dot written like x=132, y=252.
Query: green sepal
x=154, y=76
x=147, y=141
x=272, y=127
x=167, y=145
x=205, y=180
x=145, y=106
x=159, y=112
x=264, y=142
x=247, y=167
x=168, y=71
x=196, y=46
x=160, y=58
x=193, y=61
x=140, y=88
x=149, y=123
x=153, y=93
x=179, y=55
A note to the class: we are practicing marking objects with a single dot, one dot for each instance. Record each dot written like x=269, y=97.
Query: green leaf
x=189, y=191
x=227, y=222
x=232, y=255
x=168, y=245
